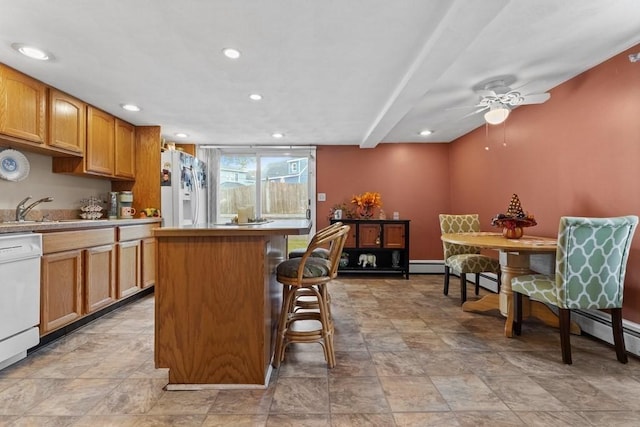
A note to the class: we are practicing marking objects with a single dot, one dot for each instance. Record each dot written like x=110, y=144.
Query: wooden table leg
x=515, y=264
x=548, y=317
x=486, y=303
x=512, y=264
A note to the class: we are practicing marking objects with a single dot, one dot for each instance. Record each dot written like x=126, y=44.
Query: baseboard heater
x=593, y=322
x=598, y=324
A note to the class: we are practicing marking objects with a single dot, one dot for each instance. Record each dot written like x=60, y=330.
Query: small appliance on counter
x=113, y=205
x=125, y=205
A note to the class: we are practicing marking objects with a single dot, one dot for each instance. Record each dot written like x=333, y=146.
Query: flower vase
x=512, y=233
x=366, y=213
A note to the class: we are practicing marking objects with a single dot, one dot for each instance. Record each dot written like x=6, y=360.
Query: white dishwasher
x=19, y=295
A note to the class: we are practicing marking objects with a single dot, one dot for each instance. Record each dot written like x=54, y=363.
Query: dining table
x=514, y=256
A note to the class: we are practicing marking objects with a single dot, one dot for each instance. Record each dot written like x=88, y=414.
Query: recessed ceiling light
x=426, y=132
x=130, y=107
x=277, y=135
x=231, y=53
x=255, y=97
x=181, y=135
x=32, y=52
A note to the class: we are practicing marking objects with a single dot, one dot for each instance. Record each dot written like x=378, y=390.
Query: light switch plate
x=322, y=197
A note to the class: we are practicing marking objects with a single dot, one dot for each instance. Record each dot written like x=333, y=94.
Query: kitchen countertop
x=275, y=227
x=69, y=224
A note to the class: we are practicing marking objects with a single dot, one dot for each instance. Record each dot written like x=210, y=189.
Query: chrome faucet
x=22, y=211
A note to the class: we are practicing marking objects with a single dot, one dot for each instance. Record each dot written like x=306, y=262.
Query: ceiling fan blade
x=475, y=112
x=536, y=98
x=484, y=93
x=463, y=107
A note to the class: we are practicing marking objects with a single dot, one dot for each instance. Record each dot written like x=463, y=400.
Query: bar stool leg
x=288, y=297
x=327, y=325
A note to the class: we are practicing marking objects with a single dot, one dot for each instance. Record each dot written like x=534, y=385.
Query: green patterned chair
x=465, y=259
x=591, y=262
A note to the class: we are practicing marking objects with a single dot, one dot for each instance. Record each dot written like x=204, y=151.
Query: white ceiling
x=357, y=72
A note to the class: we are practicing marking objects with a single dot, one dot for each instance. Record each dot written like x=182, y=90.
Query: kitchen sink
x=55, y=221
x=18, y=222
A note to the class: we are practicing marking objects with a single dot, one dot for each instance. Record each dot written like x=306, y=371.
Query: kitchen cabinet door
x=100, y=281
x=129, y=276
x=67, y=122
x=23, y=103
x=125, y=153
x=99, y=155
x=148, y=262
x=61, y=289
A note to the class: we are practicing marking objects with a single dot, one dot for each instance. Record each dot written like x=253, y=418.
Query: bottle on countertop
x=113, y=205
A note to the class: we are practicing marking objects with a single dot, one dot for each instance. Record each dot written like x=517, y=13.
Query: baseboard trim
x=592, y=322
x=488, y=281
x=59, y=333
x=598, y=324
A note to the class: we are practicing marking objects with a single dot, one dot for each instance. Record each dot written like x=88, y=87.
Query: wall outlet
x=322, y=197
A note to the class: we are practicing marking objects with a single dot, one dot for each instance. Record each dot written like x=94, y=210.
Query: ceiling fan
x=497, y=99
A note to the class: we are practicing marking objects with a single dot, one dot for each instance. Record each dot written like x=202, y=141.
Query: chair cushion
x=539, y=287
x=472, y=263
x=313, y=267
x=317, y=252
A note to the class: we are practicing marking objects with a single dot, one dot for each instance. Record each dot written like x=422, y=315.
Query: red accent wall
x=577, y=154
x=413, y=179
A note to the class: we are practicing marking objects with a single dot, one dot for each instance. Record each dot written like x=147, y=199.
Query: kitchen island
x=217, y=302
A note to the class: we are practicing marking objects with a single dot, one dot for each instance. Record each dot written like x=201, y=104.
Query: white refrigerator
x=183, y=189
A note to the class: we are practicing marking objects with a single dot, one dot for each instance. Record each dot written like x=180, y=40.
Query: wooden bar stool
x=305, y=298
x=318, y=252
x=309, y=275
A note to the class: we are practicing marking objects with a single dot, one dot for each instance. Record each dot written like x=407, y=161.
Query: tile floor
x=406, y=356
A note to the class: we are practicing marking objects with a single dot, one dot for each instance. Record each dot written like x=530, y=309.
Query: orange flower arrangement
x=366, y=202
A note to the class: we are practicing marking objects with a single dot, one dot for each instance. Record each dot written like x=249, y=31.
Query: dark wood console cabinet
x=386, y=240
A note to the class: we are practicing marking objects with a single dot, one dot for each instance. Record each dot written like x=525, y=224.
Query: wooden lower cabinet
x=148, y=262
x=129, y=259
x=61, y=289
x=100, y=280
x=86, y=270
x=136, y=258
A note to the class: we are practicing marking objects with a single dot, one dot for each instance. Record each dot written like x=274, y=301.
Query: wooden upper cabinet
x=109, y=149
x=23, y=103
x=67, y=122
x=125, y=153
x=394, y=236
x=99, y=154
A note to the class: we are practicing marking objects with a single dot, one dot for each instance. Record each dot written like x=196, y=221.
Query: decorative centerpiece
x=514, y=220
x=366, y=203
x=91, y=208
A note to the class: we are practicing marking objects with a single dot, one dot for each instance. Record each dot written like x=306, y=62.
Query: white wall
x=66, y=190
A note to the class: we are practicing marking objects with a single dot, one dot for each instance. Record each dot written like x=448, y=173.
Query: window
x=278, y=183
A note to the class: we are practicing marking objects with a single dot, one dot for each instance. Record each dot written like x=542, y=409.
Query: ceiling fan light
x=497, y=114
